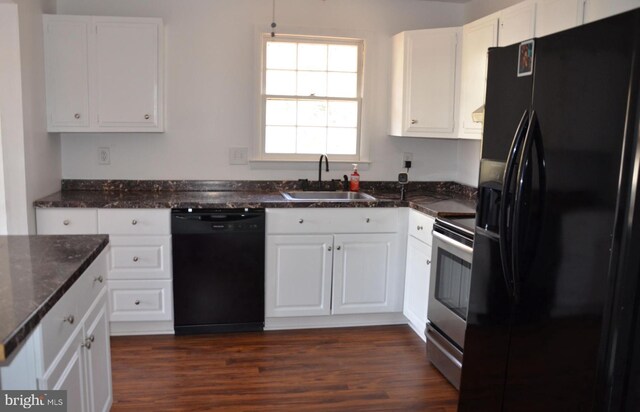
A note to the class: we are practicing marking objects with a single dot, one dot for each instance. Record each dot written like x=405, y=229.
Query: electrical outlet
x=104, y=156
x=407, y=157
x=238, y=155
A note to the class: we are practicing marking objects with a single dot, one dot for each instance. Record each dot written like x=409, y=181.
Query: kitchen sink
x=328, y=196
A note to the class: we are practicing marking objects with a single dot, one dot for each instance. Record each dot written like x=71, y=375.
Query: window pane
x=281, y=55
x=342, y=84
x=312, y=84
x=343, y=58
x=312, y=113
x=312, y=56
x=280, y=139
x=342, y=140
x=281, y=113
x=281, y=82
x=343, y=114
x=312, y=140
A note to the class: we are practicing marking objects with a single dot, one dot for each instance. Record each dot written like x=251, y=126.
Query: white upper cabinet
x=553, y=16
x=599, y=9
x=517, y=23
x=67, y=56
x=425, y=83
x=477, y=37
x=104, y=74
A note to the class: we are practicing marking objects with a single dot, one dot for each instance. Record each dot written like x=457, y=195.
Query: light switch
x=238, y=155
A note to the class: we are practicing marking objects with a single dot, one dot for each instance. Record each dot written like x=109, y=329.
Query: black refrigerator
x=553, y=309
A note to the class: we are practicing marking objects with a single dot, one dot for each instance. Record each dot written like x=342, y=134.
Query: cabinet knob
x=428, y=262
x=301, y=221
x=414, y=121
x=77, y=115
x=136, y=258
x=66, y=222
x=137, y=302
x=134, y=222
x=419, y=227
x=147, y=117
x=99, y=279
x=69, y=319
x=91, y=338
x=87, y=342
x=367, y=220
x=329, y=248
x=338, y=248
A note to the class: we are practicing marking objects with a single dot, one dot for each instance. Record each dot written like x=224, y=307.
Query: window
x=311, y=97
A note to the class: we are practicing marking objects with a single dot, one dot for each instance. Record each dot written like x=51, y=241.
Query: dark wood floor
x=347, y=369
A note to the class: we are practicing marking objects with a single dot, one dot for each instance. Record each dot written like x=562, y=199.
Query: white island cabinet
x=70, y=349
x=333, y=267
x=103, y=74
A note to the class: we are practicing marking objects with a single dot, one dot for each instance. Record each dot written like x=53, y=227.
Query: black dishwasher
x=218, y=270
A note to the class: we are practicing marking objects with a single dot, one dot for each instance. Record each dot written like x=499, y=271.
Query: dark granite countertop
x=35, y=272
x=433, y=198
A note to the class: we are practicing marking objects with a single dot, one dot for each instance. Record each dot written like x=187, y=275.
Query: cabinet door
x=599, y=9
x=517, y=23
x=99, y=357
x=298, y=275
x=366, y=274
x=67, y=71
x=556, y=15
x=68, y=373
x=128, y=78
x=416, y=287
x=477, y=37
x=430, y=85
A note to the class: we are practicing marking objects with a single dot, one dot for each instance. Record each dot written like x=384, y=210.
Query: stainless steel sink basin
x=328, y=196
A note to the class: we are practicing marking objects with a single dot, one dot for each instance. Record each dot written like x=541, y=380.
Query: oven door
x=449, y=286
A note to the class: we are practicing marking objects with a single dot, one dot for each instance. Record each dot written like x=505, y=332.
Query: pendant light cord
x=273, y=20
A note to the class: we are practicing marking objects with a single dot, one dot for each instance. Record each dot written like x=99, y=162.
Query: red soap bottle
x=354, y=182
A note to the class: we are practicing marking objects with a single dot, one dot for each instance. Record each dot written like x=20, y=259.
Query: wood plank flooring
x=347, y=369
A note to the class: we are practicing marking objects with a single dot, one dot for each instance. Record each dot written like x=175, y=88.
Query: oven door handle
x=452, y=242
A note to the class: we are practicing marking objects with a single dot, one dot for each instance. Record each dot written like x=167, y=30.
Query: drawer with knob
x=65, y=316
x=140, y=300
x=66, y=221
x=420, y=226
x=332, y=220
x=134, y=221
x=140, y=257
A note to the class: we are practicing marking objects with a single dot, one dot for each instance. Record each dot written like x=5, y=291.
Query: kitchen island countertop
x=35, y=272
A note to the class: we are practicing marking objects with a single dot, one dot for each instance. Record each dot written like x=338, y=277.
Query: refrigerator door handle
x=532, y=138
x=505, y=218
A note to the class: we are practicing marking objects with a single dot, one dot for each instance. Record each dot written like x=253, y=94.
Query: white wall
x=211, y=89
x=475, y=9
x=41, y=150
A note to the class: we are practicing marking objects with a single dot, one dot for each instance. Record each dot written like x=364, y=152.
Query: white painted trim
x=141, y=328
x=334, y=321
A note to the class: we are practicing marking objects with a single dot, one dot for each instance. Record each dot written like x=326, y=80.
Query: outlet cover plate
x=104, y=156
x=238, y=155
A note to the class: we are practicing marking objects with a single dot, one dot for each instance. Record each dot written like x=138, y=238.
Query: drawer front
x=332, y=220
x=92, y=282
x=140, y=257
x=140, y=300
x=134, y=221
x=67, y=221
x=420, y=226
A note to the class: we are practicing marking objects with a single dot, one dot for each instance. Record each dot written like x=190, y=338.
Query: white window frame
x=295, y=157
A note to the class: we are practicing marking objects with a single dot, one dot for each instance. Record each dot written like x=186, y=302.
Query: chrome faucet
x=326, y=159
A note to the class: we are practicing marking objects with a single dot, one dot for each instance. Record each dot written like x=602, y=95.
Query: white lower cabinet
x=139, y=273
x=325, y=273
x=365, y=274
x=418, y=271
